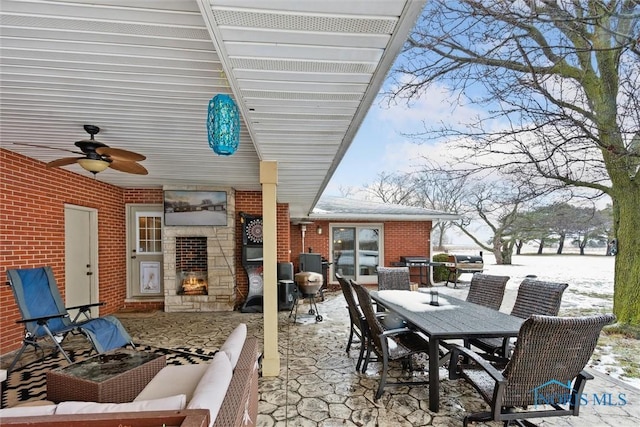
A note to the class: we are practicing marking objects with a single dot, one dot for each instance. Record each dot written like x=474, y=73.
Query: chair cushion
x=212, y=388
x=183, y=379
x=234, y=343
x=171, y=403
x=27, y=411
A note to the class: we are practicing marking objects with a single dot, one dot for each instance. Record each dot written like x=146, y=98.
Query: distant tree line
x=515, y=214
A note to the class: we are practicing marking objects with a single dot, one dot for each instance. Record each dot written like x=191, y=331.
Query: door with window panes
x=356, y=251
x=145, y=252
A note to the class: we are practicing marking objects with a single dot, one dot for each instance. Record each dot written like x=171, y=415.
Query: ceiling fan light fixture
x=223, y=125
x=93, y=165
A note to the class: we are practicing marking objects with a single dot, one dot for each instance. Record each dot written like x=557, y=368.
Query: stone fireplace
x=199, y=264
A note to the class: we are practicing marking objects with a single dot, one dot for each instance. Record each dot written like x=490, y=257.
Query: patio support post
x=269, y=181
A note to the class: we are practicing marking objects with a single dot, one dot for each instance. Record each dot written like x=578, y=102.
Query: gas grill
x=416, y=262
x=459, y=264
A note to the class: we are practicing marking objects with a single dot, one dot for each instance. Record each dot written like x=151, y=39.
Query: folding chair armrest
x=85, y=307
x=458, y=350
x=41, y=320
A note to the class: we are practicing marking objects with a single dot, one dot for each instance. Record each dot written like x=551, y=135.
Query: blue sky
x=379, y=145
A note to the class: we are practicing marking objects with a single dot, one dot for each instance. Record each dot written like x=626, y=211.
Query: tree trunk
x=503, y=251
x=441, y=237
x=497, y=250
x=583, y=244
x=519, y=247
x=540, y=246
x=561, y=243
x=626, y=219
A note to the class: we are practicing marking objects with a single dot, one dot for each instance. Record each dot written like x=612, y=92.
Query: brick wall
x=191, y=253
x=32, y=200
x=400, y=239
x=405, y=238
x=319, y=243
x=144, y=195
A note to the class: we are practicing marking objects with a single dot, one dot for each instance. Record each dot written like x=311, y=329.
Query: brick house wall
x=405, y=239
x=32, y=200
x=401, y=238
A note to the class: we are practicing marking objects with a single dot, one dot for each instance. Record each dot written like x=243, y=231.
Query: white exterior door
x=81, y=248
x=144, y=228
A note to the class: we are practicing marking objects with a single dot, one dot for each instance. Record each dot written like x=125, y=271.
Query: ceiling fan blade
x=119, y=154
x=63, y=162
x=128, y=167
x=47, y=147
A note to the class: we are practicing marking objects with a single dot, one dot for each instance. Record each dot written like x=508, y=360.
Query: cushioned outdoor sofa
x=227, y=387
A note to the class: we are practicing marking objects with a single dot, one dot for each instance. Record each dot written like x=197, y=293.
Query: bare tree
x=392, y=187
x=440, y=189
x=560, y=84
x=432, y=187
x=498, y=205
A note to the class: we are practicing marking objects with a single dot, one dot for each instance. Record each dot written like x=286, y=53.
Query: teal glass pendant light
x=223, y=125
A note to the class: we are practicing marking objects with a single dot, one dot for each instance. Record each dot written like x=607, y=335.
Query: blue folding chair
x=45, y=317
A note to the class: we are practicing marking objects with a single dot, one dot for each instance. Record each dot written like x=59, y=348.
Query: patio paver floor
x=318, y=385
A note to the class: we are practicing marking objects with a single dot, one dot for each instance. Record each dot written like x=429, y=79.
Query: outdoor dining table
x=452, y=319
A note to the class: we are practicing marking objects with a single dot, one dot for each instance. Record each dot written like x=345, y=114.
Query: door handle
x=133, y=257
x=89, y=273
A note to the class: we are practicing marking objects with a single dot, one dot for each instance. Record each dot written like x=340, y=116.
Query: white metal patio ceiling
x=303, y=73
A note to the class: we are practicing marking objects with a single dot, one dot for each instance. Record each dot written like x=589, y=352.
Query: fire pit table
x=116, y=376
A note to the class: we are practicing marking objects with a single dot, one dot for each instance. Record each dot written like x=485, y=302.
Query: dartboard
x=254, y=230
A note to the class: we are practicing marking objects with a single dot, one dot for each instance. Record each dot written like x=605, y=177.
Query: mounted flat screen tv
x=183, y=207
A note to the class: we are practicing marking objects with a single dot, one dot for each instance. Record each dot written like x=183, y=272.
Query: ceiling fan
x=98, y=156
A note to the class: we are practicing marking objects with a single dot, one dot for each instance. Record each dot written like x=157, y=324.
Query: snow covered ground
x=590, y=279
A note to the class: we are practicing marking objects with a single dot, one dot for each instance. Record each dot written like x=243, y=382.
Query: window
x=148, y=233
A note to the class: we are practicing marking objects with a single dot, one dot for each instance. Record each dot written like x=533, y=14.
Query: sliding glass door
x=356, y=251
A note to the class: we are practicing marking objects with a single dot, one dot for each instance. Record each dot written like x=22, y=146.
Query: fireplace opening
x=193, y=283
x=191, y=265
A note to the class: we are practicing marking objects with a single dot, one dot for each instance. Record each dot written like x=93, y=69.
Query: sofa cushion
x=171, y=403
x=234, y=343
x=173, y=379
x=212, y=388
x=27, y=411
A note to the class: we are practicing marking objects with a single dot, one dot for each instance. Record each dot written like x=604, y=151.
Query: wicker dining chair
x=396, y=278
x=406, y=342
x=487, y=290
x=534, y=297
x=545, y=376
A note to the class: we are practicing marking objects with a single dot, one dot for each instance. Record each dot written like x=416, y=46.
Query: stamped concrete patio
x=318, y=384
